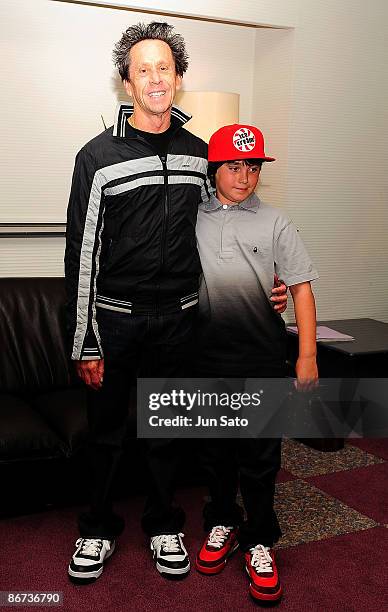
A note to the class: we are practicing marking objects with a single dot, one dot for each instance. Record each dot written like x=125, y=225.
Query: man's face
x=236, y=181
x=152, y=78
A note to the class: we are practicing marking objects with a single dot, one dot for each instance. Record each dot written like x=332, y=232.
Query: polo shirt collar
x=252, y=204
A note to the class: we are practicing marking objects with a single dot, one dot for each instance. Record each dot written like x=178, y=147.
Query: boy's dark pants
x=252, y=463
x=149, y=346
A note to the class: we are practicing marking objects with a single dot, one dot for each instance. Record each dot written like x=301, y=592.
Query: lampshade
x=210, y=109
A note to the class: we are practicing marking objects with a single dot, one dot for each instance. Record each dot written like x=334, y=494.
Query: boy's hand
x=306, y=374
x=279, y=295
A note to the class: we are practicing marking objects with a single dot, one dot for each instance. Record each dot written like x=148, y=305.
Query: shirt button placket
x=227, y=231
x=223, y=217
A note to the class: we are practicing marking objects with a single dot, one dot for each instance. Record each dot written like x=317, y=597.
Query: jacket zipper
x=164, y=230
x=163, y=241
x=166, y=213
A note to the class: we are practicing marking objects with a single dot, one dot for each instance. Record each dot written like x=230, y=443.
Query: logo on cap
x=244, y=139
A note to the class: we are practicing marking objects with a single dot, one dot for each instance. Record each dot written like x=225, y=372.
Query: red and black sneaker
x=263, y=574
x=219, y=545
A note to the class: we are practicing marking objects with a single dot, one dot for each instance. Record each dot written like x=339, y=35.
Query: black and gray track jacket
x=130, y=240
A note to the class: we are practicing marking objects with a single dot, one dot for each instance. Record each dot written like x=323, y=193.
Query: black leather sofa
x=42, y=405
x=43, y=424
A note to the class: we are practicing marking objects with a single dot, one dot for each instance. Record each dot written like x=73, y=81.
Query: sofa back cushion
x=33, y=346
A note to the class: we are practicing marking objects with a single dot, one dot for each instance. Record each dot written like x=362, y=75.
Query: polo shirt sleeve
x=292, y=262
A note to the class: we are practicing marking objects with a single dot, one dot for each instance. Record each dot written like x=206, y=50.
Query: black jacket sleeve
x=83, y=235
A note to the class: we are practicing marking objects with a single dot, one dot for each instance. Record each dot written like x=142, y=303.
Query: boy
x=242, y=243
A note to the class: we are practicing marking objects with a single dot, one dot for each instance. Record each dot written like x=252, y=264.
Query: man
x=132, y=273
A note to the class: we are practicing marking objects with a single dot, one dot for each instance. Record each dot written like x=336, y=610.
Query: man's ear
x=178, y=82
x=128, y=87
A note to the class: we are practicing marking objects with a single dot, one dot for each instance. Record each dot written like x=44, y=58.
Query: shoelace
x=90, y=547
x=170, y=542
x=218, y=535
x=261, y=559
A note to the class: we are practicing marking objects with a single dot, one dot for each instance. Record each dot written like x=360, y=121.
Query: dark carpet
x=333, y=555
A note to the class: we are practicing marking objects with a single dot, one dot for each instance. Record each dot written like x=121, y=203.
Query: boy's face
x=236, y=181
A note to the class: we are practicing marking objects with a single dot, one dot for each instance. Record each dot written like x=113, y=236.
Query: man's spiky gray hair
x=147, y=31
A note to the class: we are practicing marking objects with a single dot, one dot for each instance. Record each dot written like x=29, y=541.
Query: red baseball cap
x=237, y=142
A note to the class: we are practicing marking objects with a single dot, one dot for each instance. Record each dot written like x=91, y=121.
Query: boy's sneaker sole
x=92, y=574
x=260, y=596
x=210, y=568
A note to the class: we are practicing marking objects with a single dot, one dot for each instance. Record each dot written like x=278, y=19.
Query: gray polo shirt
x=241, y=247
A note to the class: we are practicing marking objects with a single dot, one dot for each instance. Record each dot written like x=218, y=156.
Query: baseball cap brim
x=237, y=157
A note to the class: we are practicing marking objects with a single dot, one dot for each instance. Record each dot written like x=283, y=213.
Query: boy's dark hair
x=213, y=167
x=149, y=31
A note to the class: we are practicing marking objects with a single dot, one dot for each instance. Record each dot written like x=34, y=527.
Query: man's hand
x=91, y=372
x=279, y=295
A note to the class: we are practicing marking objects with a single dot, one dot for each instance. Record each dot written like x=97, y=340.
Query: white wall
x=56, y=63
x=280, y=13
x=24, y=257
x=271, y=107
x=338, y=153
x=334, y=184
x=319, y=92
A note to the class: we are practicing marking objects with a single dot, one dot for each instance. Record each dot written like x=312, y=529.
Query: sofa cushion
x=34, y=353
x=24, y=434
x=65, y=411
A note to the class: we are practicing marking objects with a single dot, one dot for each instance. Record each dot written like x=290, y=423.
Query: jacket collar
x=125, y=110
x=252, y=203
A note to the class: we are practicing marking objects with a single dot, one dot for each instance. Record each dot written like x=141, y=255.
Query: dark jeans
x=252, y=463
x=144, y=346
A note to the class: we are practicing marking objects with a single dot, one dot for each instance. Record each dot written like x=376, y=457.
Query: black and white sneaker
x=87, y=563
x=170, y=556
